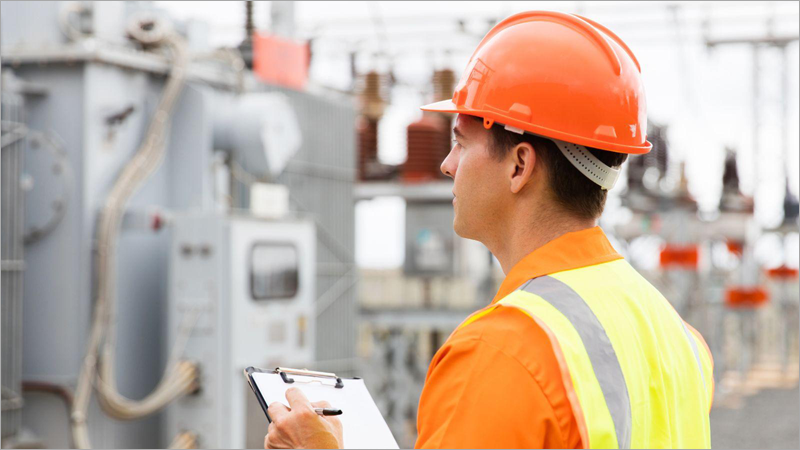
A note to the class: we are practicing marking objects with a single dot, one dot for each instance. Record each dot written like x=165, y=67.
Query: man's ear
x=522, y=162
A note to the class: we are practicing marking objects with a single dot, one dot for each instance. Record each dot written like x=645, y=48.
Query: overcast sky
x=705, y=97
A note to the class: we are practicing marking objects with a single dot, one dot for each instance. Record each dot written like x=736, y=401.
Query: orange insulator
x=783, y=273
x=746, y=296
x=679, y=256
x=735, y=247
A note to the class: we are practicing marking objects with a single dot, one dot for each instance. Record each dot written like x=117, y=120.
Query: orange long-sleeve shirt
x=496, y=383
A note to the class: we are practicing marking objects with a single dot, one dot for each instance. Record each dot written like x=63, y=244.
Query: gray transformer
x=96, y=100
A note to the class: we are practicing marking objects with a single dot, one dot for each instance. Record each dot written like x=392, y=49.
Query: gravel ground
x=769, y=419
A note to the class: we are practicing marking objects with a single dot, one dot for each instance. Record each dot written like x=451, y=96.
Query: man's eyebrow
x=458, y=133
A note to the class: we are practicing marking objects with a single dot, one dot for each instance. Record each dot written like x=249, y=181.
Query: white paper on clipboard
x=362, y=422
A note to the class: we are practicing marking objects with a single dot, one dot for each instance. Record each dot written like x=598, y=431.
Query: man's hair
x=572, y=191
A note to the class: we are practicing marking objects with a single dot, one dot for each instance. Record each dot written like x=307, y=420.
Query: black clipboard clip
x=283, y=372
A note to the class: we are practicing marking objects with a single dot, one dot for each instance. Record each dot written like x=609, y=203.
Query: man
x=576, y=349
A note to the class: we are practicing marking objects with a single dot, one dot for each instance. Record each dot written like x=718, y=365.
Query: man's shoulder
x=508, y=330
x=506, y=343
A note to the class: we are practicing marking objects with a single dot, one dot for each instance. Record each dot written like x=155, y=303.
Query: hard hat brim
x=445, y=106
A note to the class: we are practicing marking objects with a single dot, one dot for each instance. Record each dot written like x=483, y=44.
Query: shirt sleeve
x=479, y=395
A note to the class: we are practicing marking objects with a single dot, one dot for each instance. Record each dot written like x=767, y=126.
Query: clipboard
x=362, y=423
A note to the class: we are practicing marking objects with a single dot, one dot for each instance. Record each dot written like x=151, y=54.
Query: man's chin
x=461, y=230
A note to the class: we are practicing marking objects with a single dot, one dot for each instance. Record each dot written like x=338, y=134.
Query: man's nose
x=448, y=166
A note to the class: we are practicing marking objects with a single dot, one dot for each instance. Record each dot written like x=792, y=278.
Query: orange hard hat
x=556, y=75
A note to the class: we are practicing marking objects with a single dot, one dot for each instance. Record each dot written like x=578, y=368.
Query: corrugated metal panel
x=12, y=262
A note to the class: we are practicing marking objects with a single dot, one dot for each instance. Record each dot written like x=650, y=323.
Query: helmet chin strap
x=588, y=164
x=583, y=160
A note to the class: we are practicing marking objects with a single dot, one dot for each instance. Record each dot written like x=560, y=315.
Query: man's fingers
x=277, y=410
x=297, y=400
x=321, y=404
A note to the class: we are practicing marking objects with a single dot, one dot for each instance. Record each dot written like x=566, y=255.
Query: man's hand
x=299, y=426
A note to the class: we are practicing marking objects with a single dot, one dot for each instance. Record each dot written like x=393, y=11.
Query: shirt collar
x=569, y=251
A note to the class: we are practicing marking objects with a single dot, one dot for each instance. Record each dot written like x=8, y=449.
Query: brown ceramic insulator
x=428, y=141
x=372, y=95
x=444, y=83
x=367, y=130
x=372, y=86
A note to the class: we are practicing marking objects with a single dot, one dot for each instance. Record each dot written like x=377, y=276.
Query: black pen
x=328, y=411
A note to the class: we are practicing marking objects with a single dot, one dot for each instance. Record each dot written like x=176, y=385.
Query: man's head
x=560, y=76
x=501, y=176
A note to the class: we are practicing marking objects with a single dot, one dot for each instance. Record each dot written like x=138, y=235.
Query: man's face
x=480, y=186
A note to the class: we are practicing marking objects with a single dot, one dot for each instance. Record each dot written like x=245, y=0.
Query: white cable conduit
x=98, y=369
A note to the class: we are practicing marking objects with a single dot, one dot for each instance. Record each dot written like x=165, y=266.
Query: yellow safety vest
x=636, y=374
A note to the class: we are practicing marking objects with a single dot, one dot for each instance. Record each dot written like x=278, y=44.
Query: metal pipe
x=785, y=111
x=756, y=115
x=61, y=391
x=249, y=28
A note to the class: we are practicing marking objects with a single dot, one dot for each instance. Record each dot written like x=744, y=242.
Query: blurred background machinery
x=160, y=203
x=14, y=133
x=242, y=293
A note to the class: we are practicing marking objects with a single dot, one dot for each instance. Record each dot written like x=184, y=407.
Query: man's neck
x=524, y=234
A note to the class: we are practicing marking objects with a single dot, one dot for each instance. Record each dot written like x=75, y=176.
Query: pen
x=328, y=411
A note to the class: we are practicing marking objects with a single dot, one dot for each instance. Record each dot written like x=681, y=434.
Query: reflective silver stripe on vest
x=601, y=353
x=696, y=353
